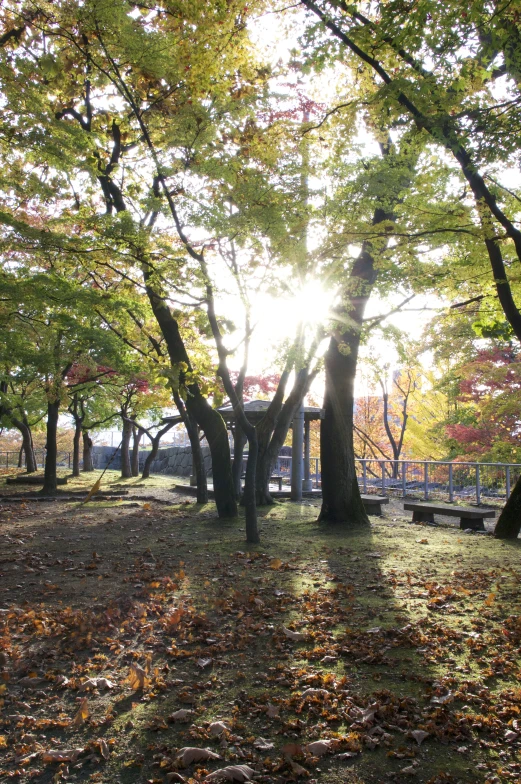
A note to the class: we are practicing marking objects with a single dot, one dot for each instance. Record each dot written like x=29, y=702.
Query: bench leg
x=280, y=484
x=422, y=517
x=469, y=522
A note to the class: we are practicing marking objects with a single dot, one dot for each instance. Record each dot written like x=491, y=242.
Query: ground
x=132, y=631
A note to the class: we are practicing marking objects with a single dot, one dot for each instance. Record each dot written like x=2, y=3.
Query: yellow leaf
x=491, y=598
x=276, y=563
x=3, y=742
x=137, y=677
x=147, y=506
x=82, y=714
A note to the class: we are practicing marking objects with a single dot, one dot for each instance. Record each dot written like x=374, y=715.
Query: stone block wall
x=174, y=460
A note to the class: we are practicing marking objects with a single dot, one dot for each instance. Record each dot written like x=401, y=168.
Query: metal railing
x=438, y=479
x=9, y=459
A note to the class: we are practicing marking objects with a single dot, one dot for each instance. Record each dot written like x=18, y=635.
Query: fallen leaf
x=104, y=748
x=263, y=745
x=204, y=663
x=181, y=715
x=137, y=677
x=318, y=748
x=272, y=711
x=232, y=773
x=61, y=755
x=419, y=736
x=298, y=770
x=82, y=714
x=491, y=598
x=276, y=563
x=297, y=636
x=190, y=754
x=97, y=683
x=217, y=728
x=315, y=693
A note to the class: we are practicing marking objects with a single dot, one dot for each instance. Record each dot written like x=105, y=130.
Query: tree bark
x=197, y=460
x=341, y=502
x=509, y=522
x=21, y=457
x=209, y=420
x=87, y=452
x=27, y=443
x=137, y=433
x=126, y=469
x=155, y=441
x=50, y=484
x=239, y=442
x=76, y=448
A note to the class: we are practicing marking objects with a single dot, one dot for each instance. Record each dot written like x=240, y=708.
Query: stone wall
x=174, y=460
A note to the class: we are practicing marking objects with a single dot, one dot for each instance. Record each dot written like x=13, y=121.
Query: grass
x=405, y=628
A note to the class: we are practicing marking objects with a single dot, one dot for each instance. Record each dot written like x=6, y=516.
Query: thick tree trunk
x=87, y=452
x=126, y=469
x=21, y=457
x=509, y=522
x=341, y=502
x=197, y=459
x=137, y=434
x=76, y=448
x=214, y=428
x=239, y=442
x=50, y=484
x=209, y=420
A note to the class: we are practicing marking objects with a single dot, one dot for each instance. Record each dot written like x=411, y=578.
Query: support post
x=426, y=480
x=404, y=479
x=316, y=472
x=478, y=485
x=364, y=473
x=297, y=455
x=383, y=477
x=507, y=488
x=451, y=483
x=307, y=484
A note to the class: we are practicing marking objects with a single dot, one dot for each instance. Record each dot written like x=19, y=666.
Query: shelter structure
x=300, y=445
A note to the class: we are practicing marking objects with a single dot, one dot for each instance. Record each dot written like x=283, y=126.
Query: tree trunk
x=273, y=432
x=137, y=434
x=214, y=428
x=21, y=457
x=50, y=484
x=341, y=502
x=250, y=500
x=27, y=443
x=239, y=442
x=76, y=448
x=87, y=452
x=209, y=420
x=151, y=456
x=126, y=469
x=197, y=459
x=509, y=522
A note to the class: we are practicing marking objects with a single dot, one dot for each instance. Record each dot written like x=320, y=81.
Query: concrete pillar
x=307, y=485
x=297, y=455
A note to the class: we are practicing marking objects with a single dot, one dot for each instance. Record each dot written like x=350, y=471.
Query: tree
x=456, y=105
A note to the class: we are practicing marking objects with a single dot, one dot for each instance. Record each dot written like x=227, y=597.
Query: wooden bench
x=373, y=503
x=275, y=479
x=470, y=516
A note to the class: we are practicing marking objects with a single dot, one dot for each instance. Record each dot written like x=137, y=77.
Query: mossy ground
x=423, y=624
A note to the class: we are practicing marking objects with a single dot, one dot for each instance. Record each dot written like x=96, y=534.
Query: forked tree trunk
x=509, y=522
x=50, y=484
x=126, y=469
x=27, y=444
x=87, y=452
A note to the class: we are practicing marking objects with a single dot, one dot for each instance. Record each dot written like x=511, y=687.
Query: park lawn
x=396, y=648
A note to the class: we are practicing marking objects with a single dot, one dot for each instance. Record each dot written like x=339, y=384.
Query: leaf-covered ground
x=148, y=643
